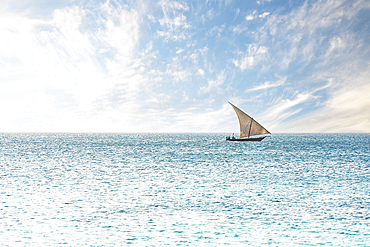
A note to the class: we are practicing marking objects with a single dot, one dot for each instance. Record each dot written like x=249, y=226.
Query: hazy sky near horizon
x=172, y=66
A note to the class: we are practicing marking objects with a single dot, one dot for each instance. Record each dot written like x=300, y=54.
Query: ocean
x=184, y=190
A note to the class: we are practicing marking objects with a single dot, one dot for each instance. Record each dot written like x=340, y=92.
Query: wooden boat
x=250, y=129
x=245, y=139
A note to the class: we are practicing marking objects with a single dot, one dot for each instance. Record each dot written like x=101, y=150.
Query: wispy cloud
x=268, y=84
x=301, y=29
x=252, y=56
x=308, y=47
x=213, y=85
x=216, y=30
x=286, y=109
x=345, y=111
x=173, y=5
x=174, y=22
x=263, y=1
x=239, y=28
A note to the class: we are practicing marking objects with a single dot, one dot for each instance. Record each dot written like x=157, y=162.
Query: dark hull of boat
x=246, y=139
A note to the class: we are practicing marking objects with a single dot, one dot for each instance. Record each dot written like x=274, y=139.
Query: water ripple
x=184, y=189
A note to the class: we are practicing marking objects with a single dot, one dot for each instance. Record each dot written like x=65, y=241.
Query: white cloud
x=213, y=85
x=336, y=43
x=339, y=57
x=237, y=11
x=200, y=72
x=152, y=18
x=263, y=1
x=299, y=31
x=194, y=57
x=174, y=23
x=319, y=40
x=168, y=4
x=210, y=14
x=347, y=109
x=217, y=30
x=268, y=84
x=264, y=14
x=286, y=108
x=239, y=29
x=249, y=17
x=227, y=2
x=179, y=51
x=62, y=86
x=251, y=57
x=177, y=71
x=252, y=16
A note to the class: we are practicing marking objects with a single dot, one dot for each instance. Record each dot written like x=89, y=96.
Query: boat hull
x=246, y=139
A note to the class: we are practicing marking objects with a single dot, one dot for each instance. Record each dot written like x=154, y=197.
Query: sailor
x=233, y=136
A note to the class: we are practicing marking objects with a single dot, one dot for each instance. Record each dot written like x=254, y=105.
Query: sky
x=173, y=66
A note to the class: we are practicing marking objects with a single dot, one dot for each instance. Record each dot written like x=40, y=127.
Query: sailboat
x=250, y=129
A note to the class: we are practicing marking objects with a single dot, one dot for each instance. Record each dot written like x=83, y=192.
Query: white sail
x=248, y=126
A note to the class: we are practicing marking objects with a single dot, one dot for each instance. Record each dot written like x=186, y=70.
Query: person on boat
x=233, y=137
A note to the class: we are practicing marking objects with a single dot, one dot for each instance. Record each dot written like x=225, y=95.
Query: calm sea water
x=184, y=189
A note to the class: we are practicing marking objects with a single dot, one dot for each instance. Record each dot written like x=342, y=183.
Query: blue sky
x=172, y=66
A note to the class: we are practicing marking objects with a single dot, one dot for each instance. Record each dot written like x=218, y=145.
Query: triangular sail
x=248, y=126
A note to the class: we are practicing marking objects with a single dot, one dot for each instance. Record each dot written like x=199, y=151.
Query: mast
x=250, y=126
